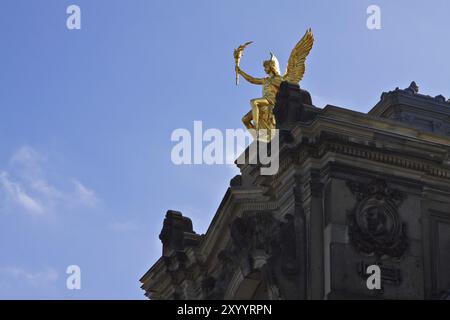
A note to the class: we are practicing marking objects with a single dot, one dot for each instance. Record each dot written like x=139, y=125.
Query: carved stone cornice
x=390, y=158
x=372, y=153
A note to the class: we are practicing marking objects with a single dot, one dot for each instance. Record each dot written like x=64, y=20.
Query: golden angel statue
x=260, y=120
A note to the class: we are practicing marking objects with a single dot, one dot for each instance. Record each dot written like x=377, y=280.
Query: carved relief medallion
x=374, y=225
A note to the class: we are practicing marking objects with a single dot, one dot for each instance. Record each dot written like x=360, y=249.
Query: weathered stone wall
x=353, y=190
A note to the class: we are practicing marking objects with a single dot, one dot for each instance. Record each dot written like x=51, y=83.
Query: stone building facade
x=353, y=190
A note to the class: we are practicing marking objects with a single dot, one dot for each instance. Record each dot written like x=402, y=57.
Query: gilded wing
x=296, y=64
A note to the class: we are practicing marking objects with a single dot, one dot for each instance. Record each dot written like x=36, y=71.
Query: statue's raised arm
x=249, y=78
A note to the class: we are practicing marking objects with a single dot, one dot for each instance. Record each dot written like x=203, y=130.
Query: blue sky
x=86, y=116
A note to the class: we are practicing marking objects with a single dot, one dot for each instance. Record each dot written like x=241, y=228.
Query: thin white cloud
x=27, y=156
x=25, y=184
x=42, y=187
x=35, y=279
x=15, y=193
x=85, y=195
